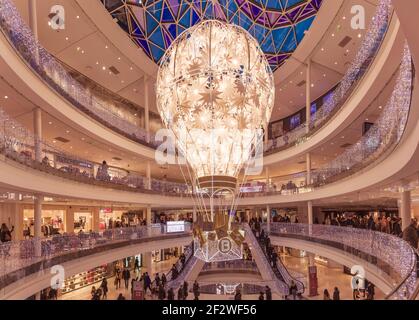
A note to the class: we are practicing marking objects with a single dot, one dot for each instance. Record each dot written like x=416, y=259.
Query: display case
x=85, y=279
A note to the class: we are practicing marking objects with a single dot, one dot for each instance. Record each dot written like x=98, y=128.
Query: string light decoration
x=215, y=90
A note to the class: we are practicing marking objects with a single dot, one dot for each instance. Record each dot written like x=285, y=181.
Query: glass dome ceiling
x=278, y=25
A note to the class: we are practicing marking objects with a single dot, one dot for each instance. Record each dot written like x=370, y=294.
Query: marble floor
x=328, y=278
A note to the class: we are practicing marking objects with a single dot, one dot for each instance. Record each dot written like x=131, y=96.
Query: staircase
x=266, y=270
x=280, y=272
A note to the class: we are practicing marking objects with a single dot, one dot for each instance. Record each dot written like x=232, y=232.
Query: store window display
x=52, y=222
x=82, y=222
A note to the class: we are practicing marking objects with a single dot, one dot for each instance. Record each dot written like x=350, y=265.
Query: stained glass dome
x=278, y=25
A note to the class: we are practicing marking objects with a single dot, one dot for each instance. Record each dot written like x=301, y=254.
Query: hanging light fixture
x=215, y=91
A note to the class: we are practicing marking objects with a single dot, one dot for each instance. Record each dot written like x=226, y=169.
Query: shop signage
x=74, y=162
x=251, y=189
x=312, y=279
x=137, y=291
x=175, y=226
x=225, y=245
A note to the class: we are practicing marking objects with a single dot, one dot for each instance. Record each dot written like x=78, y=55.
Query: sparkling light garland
x=394, y=251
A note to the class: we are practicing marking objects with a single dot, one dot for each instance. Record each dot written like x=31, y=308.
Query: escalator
x=276, y=268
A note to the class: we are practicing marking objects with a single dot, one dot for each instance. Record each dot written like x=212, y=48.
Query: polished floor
x=328, y=278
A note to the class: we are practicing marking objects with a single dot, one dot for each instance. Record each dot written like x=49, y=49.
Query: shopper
x=268, y=293
x=163, y=279
x=157, y=280
x=261, y=296
x=147, y=283
x=410, y=234
x=5, y=233
x=370, y=291
x=162, y=293
x=326, y=295
x=196, y=290
x=170, y=294
x=121, y=297
x=92, y=292
x=180, y=293
x=336, y=294
x=118, y=277
x=174, y=271
x=238, y=295
x=126, y=275
x=137, y=265
x=185, y=290
x=293, y=290
x=104, y=287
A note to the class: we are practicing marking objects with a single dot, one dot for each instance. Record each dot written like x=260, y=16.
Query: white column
x=308, y=168
x=268, y=220
x=148, y=263
x=69, y=220
x=310, y=216
x=38, y=223
x=148, y=216
x=146, y=108
x=405, y=208
x=266, y=137
x=37, y=127
x=148, y=176
x=194, y=216
x=95, y=219
x=33, y=23
x=308, y=95
x=268, y=185
x=310, y=212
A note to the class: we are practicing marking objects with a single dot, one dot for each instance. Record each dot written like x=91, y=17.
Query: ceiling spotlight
x=6, y=97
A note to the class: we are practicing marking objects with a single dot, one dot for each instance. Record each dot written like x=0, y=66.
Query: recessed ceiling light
x=66, y=38
x=68, y=131
x=106, y=47
x=333, y=34
x=359, y=35
x=83, y=138
x=366, y=119
x=49, y=122
x=324, y=75
x=119, y=58
x=380, y=107
x=344, y=18
x=103, y=68
x=82, y=51
x=312, y=85
x=336, y=62
x=77, y=17
x=6, y=97
x=54, y=141
x=131, y=68
x=322, y=49
x=78, y=48
x=97, y=62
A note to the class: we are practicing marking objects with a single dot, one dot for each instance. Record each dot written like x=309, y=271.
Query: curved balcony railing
x=382, y=138
x=231, y=265
x=17, y=143
x=19, y=259
x=390, y=254
x=52, y=71
x=347, y=85
x=57, y=77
